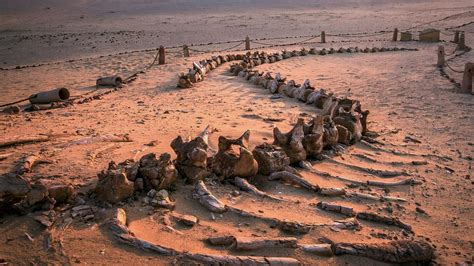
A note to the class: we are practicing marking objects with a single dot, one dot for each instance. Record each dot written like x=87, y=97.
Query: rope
x=12, y=103
x=218, y=51
x=286, y=44
x=452, y=69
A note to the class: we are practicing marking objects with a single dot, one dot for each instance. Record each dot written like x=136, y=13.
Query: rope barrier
x=216, y=51
x=452, y=69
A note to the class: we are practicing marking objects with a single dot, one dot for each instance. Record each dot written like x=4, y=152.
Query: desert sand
x=413, y=110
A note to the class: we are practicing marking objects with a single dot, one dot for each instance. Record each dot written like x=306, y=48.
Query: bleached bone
x=318, y=249
x=399, y=251
x=113, y=186
x=191, y=160
x=348, y=211
x=375, y=197
x=206, y=198
x=351, y=121
x=332, y=192
x=330, y=133
x=246, y=186
x=228, y=163
x=378, y=218
x=289, y=177
x=292, y=142
x=25, y=164
x=408, y=181
x=246, y=243
x=208, y=259
x=313, y=137
x=13, y=189
x=224, y=240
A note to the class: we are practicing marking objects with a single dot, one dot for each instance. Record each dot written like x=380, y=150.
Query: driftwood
x=207, y=259
x=400, y=251
x=245, y=243
x=378, y=218
x=292, y=142
x=290, y=177
x=16, y=142
x=348, y=211
x=246, y=186
x=206, y=198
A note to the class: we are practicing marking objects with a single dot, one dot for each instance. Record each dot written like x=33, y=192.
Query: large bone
x=206, y=198
x=400, y=251
x=246, y=186
x=207, y=259
x=25, y=164
x=313, y=137
x=348, y=211
x=270, y=158
x=318, y=249
x=13, y=189
x=245, y=243
x=378, y=218
x=157, y=173
x=113, y=186
x=191, y=160
x=351, y=121
x=330, y=133
x=292, y=142
x=290, y=177
x=228, y=163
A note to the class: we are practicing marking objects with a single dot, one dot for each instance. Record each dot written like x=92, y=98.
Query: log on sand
x=290, y=177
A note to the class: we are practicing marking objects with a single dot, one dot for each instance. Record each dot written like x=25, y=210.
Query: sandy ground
x=403, y=90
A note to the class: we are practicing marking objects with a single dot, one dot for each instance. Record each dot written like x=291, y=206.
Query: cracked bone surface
x=234, y=158
x=191, y=161
x=313, y=137
x=292, y=142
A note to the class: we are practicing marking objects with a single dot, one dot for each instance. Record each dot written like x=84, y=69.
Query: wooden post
x=161, y=55
x=466, y=86
x=441, y=55
x=185, y=51
x=323, y=37
x=395, y=35
x=461, y=43
x=247, y=43
x=456, y=36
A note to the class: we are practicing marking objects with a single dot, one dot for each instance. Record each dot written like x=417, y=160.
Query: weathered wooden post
x=247, y=43
x=441, y=55
x=161, y=55
x=323, y=37
x=395, y=35
x=456, y=36
x=185, y=51
x=466, y=85
x=461, y=43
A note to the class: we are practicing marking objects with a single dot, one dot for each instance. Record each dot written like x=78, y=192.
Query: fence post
x=441, y=55
x=323, y=37
x=247, y=43
x=461, y=43
x=185, y=51
x=395, y=35
x=456, y=36
x=466, y=86
x=161, y=55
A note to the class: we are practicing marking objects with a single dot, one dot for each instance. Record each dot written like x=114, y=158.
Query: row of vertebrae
x=337, y=119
